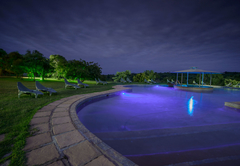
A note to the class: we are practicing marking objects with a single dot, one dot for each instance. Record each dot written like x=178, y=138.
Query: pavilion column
x=177, y=79
x=211, y=79
x=199, y=78
x=187, y=78
x=181, y=78
x=202, y=78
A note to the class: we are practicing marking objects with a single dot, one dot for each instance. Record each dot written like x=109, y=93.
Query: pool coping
x=59, y=137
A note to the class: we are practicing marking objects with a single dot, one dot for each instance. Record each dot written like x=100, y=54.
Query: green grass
x=16, y=113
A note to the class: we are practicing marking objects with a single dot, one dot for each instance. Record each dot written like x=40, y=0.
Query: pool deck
x=60, y=139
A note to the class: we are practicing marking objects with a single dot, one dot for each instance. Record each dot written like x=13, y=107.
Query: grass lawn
x=16, y=113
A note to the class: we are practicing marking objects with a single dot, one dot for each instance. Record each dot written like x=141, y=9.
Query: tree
x=120, y=75
x=2, y=60
x=139, y=77
x=13, y=63
x=44, y=67
x=35, y=63
x=149, y=74
x=77, y=69
x=59, y=64
x=94, y=70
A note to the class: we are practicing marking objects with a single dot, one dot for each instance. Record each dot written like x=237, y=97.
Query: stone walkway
x=60, y=139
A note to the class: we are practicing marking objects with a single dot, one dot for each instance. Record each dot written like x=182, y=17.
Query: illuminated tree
x=120, y=75
x=139, y=77
x=59, y=63
x=149, y=74
x=35, y=63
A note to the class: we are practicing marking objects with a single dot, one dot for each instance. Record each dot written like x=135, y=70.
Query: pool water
x=147, y=108
x=166, y=126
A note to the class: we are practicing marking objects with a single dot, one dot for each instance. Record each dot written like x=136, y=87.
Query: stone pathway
x=60, y=139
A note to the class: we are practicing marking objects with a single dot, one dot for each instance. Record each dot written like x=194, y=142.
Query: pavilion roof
x=197, y=71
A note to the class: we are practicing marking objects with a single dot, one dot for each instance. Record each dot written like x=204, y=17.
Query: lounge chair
x=102, y=82
x=97, y=82
x=69, y=84
x=237, y=85
x=128, y=80
x=170, y=82
x=229, y=84
x=80, y=83
x=22, y=89
x=194, y=82
x=147, y=81
x=203, y=83
x=153, y=81
x=42, y=88
x=122, y=80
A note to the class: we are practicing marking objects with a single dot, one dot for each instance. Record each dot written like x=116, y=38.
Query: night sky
x=124, y=35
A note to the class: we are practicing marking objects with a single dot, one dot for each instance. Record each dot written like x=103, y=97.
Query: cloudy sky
x=136, y=35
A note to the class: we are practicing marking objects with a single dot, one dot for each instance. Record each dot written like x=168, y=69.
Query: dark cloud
x=120, y=35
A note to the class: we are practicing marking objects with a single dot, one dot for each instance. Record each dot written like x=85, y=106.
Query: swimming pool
x=162, y=120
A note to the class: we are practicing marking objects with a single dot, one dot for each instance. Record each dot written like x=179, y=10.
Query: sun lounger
x=97, y=82
x=147, y=81
x=22, y=89
x=122, y=80
x=194, y=82
x=69, y=84
x=80, y=83
x=171, y=82
x=203, y=83
x=229, y=84
x=237, y=85
x=153, y=81
x=42, y=88
x=102, y=82
x=128, y=80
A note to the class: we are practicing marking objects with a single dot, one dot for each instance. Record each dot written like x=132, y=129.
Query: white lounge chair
x=203, y=83
x=128, y=80
x=147, y=81
x=22, y=89
x=42, y=88
x=102, y=82
x=237, y=85
x=171, y=82
x=80, y=83
x=97, y=82
x=69, y=84
x=194, y=82
x=229, y=84
x=122, y=80
x=153, y=81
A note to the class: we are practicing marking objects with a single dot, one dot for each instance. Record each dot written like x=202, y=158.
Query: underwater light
x=123, y=93
x=190, y=106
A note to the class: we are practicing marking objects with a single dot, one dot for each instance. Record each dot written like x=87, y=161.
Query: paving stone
x=100, y=161
x=37, y=140
x=39, y=120
x=69, y=138
x=61, y=120
x=60, y=114
x=47, y=108
x=42, y=155
x=42, y=127
x=63, y=106
x=81, y=153
x=63, y=128
x=42, y=114
x=58, y=163
x=2, y=136
x=61, y=109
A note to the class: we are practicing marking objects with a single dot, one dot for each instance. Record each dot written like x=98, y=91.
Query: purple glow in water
x=155, y=107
